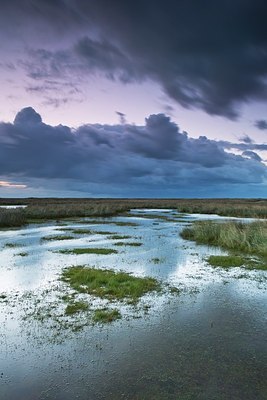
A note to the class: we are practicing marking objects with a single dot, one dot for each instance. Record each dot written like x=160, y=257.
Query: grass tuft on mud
x=134, y=244
x=226, y=261
x=51, y=238
x=76, y=307
x=81, y=231
x=109, y=284
x=90, y=250
x=120, y=237
x=104, y=315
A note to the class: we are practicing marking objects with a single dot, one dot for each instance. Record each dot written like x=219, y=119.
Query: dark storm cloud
x=205, y=54
x=261, y=124
x=156, y=155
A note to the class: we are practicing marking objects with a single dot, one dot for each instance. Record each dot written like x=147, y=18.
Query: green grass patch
x=120, y=237
x=57, y=237
x=226, y=261
x=122, y=223
x=134, y=244
x=82, y=231
x=104, y=315
x=90, y=250
x=76, y=307
x=109, y=284
x=67, y=298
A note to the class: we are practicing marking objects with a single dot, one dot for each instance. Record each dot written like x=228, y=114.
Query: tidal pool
x=206, y=342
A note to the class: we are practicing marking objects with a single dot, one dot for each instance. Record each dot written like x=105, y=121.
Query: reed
x=12, y=217
x=249, y=238
x=41, y=209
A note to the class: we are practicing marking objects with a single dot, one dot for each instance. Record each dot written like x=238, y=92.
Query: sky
x=133, y=98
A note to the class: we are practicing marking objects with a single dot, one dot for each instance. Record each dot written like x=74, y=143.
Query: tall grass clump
x=12, y=218
x=249, y=238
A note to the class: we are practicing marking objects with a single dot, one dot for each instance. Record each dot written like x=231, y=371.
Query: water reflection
x=205, y=344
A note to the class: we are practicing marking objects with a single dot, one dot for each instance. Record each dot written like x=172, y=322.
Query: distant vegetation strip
x=40, y=210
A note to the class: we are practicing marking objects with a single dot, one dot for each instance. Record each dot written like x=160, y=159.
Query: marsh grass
x=12, y=245
x=104, y=315
x=240, y=239
x=12, y=217
x=102, y=233
x=57, y=237
x=226, y=261
x=76, y=307
x=124, y=223
x=133, y=244
x=250, y=238
x=81, y=231
x=109, y=284
x=120, y=237
x=42, y=209
x=89, y=250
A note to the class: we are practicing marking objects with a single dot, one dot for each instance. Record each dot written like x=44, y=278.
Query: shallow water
x=208, y=342
x=13, y=206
